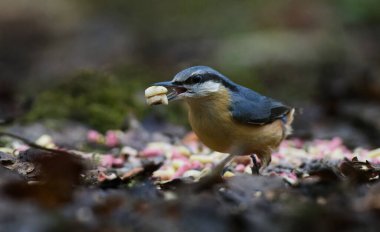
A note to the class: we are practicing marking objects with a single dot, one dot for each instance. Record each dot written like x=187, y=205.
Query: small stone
x=164, y=174
x=202, y=158
x=128, y=151
x=321, y=201
x=228, y=174
x=374, y=153
x=45, y=141
x=177, y=163
x=270, y=195
x=248, y=170
x=258, y=194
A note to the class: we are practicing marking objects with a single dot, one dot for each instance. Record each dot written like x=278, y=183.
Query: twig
x=34, y=145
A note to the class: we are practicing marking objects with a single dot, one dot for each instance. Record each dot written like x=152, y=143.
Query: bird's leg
x=265, y=159
x=215, y=175
x=255, y=167
x=218, y=170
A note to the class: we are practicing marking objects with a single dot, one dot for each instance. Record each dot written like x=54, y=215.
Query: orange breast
x=209, y=118
x=212, y=122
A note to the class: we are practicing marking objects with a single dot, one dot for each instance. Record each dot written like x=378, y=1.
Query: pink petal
x=151, y=152
x=240, y=168
x=117, y=162
x=181, y=170
x=111, y=139
x=106, y=160
x=176, y=154
x=93, y=136
x=196, y=164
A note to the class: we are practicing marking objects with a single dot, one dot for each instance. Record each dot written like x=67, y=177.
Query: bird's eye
x=195, y=79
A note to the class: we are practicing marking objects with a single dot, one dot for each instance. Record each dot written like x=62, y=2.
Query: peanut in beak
x=156, y=95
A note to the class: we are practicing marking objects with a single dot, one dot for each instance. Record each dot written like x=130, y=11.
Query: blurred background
x=89, y=61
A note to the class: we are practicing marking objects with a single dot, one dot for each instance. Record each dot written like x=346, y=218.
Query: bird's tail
x=288, y=125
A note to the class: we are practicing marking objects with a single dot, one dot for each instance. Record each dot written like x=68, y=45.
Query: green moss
x=97, y=99
x=101, y=100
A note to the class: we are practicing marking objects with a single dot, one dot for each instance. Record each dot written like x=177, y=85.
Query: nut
x=155, y=90
x=157, y=100
x=156, y=95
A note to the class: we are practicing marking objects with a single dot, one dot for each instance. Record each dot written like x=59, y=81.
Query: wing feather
x=253, y=108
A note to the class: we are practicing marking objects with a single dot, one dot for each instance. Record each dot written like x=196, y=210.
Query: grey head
x=196, y=82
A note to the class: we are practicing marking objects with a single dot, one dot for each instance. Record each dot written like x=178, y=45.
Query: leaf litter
x=109, y=183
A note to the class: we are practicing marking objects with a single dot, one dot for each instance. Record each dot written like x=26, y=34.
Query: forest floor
x=144, y=180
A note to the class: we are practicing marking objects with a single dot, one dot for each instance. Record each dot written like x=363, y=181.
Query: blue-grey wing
x=250, y=107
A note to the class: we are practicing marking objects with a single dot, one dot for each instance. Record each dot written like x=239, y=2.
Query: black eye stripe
x=200, y=79
x=204, y=78
x=195, y=79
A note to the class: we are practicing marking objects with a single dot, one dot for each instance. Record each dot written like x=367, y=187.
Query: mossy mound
x=100, y=100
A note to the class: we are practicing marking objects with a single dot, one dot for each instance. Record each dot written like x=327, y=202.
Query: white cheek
x=200, y=90
x=207, y=88
x=211, y=86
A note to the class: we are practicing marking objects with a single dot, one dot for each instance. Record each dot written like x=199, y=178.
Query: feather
x=250, y=107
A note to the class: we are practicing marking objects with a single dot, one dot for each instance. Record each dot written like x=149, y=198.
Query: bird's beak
x=174, y=89
x=164, y=83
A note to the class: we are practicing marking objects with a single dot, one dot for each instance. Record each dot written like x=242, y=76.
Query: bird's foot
x=255, y=168
x=210, y=177
x=204, y=173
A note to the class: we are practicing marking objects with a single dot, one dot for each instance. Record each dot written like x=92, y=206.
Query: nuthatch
x=228, y=117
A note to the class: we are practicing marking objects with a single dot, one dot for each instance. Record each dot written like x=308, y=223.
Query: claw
x=255, y=168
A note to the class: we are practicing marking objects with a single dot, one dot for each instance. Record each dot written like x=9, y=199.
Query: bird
x=230, y=118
